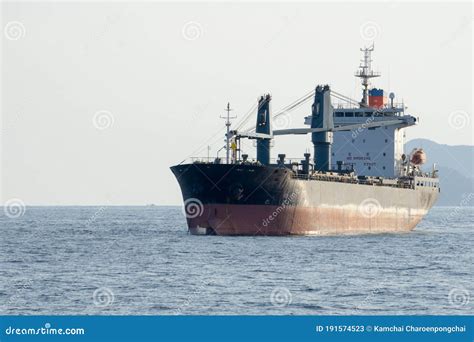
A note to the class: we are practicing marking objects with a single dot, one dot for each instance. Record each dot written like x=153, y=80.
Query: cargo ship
x=358, y=180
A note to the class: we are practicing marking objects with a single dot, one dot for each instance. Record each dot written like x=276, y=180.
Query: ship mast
x=227, y=136
x=366, y=73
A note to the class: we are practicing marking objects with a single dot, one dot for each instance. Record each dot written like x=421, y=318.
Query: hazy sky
x=98, y=100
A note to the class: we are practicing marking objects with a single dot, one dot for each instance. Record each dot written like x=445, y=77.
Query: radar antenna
x=365, y=72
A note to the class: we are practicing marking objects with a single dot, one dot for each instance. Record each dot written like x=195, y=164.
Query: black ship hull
x=249, y=199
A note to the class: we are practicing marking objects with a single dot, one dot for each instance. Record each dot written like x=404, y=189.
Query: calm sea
x=140, y=260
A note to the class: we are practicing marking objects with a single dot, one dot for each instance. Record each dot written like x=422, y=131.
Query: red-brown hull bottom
x=229, y=219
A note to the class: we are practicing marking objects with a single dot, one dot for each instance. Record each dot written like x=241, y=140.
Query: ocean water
x=140, y=260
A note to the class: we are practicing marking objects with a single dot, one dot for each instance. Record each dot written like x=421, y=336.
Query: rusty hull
x=258, y=200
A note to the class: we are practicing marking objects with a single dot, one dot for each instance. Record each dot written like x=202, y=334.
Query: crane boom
x=337, y=128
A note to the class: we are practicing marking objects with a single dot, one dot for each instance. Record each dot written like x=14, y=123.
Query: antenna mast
x=366, y=73
x=227, y=136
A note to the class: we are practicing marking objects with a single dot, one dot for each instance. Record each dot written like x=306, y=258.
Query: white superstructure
x=373, y=151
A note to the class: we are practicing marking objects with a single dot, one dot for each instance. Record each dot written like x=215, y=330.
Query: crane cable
x=347, y=99
x=295, y=104
x=246, y=117
x=285, y=110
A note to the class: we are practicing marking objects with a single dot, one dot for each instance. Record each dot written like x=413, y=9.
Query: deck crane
x=321, y=126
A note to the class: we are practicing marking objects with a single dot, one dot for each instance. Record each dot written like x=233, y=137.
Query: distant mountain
x=456, y=169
